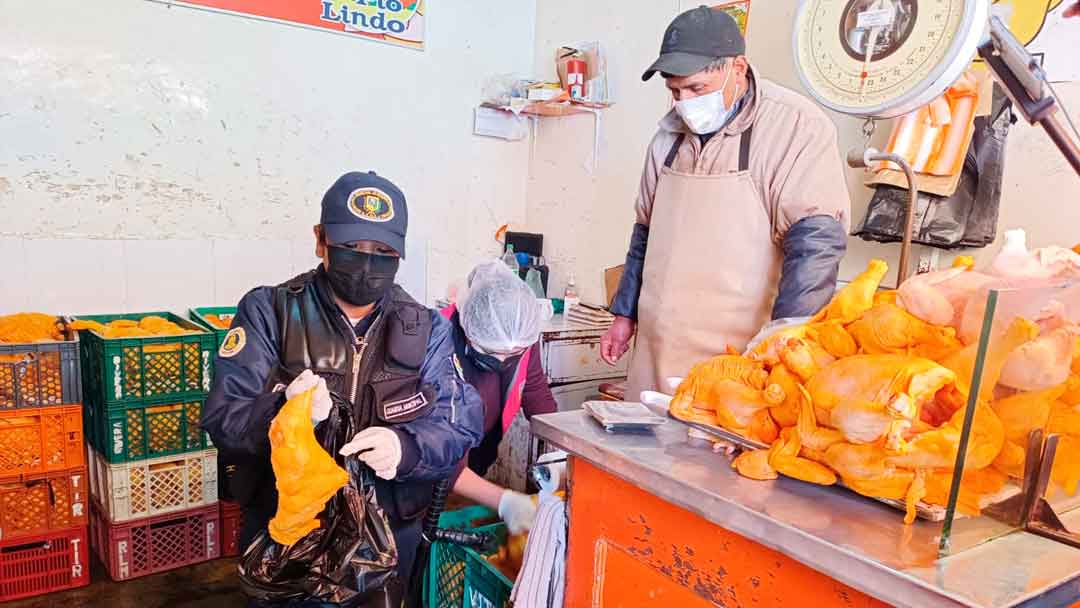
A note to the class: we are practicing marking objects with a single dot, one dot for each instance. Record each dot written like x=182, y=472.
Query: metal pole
x=857, y=159
x=1060, y=136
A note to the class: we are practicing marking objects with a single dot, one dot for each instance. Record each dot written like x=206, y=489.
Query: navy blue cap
x=365, y=207
x=695, y=39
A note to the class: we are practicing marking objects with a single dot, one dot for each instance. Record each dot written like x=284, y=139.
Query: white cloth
x=542, y=580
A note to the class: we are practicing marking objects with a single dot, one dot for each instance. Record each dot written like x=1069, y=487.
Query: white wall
x=587, y=217
x=160, y=158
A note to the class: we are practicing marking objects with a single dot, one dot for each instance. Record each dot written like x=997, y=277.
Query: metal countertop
x=852, y=539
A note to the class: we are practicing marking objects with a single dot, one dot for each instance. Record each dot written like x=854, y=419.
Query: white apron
x=711, y=271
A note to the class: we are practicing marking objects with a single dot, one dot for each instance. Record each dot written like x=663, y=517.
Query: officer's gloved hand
x=518, y=511
x=379, y=448
x=320, y=401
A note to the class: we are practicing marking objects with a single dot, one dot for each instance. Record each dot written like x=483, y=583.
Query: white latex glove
x=772, y=327
x=379, y=448
x=320, y=401
x=517, y=510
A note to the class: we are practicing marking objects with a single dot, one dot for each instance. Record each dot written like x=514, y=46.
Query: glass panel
x=1020, y=372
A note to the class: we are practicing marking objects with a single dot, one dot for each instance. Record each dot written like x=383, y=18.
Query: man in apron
x=742, y=213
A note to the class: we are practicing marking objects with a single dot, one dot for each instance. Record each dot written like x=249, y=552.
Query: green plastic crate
x=120, y=371
x=198, y=315
x=147, y=429
x=459, y=576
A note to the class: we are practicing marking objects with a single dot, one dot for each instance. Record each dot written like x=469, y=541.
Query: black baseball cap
x=695, y=39
x=365, y=207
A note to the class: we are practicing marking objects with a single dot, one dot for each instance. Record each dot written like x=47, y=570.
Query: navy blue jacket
x=240, y=406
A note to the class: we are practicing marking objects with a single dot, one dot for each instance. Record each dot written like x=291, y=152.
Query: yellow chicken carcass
x=866, y=470
x=937, y=448
x=975, y=485
x=784, y=457
x=815, y=438
x=1043, y=363
x=754, y=464
x=962, y=362
x=1010, y=460
x=1063, y=419
x=783, y=387
x=1072, y=384
x=1024, y=412
x=307, y=475
x=888, y=296
x=887, y=328
x=151, y=325
x=872, y=398
x=1066, y=469
x=728, y=391
x=834, y=338
x=856, y=297
x=30, y=327
x=794, y=347
x=963, y=261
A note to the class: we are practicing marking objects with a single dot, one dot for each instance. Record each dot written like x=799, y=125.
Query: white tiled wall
x=85, y=276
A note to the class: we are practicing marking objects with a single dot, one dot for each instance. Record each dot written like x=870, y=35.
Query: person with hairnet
x=496, y=332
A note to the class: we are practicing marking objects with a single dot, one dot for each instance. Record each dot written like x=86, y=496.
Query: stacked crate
x=153, y=471
x=43, y=481
x=217, y=320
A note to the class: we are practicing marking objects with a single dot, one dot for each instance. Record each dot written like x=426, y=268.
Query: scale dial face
x=883, y=58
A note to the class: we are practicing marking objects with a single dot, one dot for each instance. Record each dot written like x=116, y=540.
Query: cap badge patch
x=371, y=204
x=233, y=343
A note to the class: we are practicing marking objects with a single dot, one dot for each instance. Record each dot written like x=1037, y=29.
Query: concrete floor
x=213, y=584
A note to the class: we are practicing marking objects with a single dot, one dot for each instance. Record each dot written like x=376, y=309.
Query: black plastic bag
x=351, y=559
x=967, y=218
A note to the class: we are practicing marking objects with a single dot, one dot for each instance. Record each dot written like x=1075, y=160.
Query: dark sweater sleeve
x=536, y=398
x=625, y=303
x=813, y=248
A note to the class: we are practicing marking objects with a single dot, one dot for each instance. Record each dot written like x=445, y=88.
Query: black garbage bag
x=351, y=559
x=967, y=218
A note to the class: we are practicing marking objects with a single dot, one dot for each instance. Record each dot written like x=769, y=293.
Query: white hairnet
x=499, y=312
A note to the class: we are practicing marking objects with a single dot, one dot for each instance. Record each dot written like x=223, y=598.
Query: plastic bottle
x=510, y=260
x=532, y=279
x=570, y=295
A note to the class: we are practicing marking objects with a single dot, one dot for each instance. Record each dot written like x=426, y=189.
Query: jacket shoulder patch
x=233, y=343
x=404, y=407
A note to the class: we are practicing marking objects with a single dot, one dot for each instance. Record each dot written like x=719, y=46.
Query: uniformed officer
x=346, y=329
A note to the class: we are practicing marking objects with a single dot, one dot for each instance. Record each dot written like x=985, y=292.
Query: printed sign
x=399, y=22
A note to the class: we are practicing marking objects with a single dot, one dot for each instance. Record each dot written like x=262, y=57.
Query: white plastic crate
x=143, y=488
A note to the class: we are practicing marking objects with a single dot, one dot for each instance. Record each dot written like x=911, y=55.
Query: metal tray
x=923, y=510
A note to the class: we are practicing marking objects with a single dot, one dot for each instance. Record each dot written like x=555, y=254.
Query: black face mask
x=360, y=278
x=490, y=363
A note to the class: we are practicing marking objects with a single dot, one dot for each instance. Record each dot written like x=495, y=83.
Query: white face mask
x=706, y=113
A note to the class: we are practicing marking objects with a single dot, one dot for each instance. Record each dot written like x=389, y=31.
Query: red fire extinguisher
x=575, y=78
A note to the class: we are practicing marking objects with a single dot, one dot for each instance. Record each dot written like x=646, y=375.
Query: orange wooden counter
x=660, y=520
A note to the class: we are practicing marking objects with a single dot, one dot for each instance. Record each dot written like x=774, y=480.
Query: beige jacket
x=794, y=158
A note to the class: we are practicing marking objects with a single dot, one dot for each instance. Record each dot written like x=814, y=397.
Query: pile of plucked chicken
x=873, y=390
